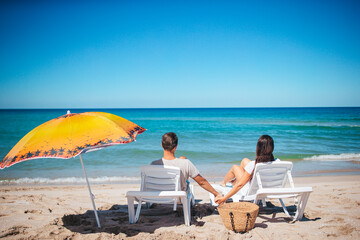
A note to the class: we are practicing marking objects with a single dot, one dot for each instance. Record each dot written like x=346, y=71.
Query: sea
x=319, y=141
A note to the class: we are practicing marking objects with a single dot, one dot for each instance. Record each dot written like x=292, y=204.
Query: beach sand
x=64, y=212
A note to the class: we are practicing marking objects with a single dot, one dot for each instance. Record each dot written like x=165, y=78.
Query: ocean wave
x=299, y=124
x=335, y=157
x=68, y=180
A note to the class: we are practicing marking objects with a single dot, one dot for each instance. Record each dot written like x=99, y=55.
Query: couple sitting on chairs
x=239, y=175
x=250, y=181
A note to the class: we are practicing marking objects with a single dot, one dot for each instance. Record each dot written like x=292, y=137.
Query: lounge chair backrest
x=270, y=182
x=271, y=175
x=160, y=184
x=160, y=178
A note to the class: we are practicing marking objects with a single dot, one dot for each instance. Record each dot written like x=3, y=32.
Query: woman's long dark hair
x=264, y=149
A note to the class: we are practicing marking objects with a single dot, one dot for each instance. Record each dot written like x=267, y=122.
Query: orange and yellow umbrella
x=72, y=134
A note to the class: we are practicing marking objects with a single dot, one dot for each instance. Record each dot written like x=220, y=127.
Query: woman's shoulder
x=250, y=167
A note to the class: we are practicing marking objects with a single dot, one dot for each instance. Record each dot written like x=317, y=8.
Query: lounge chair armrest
x=274, y=191
x=281, y=192
x=156, y=194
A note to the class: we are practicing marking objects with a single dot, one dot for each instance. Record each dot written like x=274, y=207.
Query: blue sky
x=133, y=54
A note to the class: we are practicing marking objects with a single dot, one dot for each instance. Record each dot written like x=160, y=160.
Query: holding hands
x=220, y=199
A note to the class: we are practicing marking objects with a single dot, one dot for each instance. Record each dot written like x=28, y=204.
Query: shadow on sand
x=269, y=214
x=115, y=219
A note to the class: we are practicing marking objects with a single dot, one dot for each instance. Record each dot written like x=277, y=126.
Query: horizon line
x=169, y=108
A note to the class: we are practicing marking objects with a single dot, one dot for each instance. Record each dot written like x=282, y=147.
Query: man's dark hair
x=169, y=141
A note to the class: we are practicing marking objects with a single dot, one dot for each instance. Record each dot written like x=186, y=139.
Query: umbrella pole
x=91, y=195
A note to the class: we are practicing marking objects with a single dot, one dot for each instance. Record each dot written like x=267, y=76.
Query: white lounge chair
x=269, y=182
x=160, y=184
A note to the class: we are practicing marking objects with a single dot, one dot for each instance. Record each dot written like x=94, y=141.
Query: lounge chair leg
x=263, y=200
x=186, y=211
x=192, y=195
x=138, y=209
x=175, y=205
x=284, y=208
x=131, y=210
x=189, y=211
x=212, y=200
x=301, y=206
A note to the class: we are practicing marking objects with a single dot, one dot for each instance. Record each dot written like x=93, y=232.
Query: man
x=187, y=168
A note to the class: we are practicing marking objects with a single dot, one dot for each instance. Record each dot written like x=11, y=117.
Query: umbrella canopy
x=72, y=134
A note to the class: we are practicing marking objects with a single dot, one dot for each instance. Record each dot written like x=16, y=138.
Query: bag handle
x=233, y=225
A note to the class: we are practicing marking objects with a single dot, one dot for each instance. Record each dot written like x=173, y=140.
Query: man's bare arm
x=205, y=185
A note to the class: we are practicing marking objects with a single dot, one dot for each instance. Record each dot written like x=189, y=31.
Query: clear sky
x=140, y=54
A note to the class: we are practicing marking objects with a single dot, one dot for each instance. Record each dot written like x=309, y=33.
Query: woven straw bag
x=239, y=216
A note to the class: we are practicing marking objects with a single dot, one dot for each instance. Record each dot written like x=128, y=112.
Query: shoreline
x=94, y=180
x=64, y=211
x=300, y=179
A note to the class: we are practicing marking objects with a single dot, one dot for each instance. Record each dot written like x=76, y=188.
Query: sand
x=64, y=212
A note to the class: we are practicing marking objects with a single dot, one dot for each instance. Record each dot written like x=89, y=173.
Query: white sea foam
x=335, y=157
x=69, y=180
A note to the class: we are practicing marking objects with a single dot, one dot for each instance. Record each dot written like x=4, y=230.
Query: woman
x=240, y=176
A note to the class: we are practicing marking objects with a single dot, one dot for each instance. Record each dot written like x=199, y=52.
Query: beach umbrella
x=71, y=135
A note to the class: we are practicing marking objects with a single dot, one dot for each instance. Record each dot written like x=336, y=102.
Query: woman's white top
x=249, y=168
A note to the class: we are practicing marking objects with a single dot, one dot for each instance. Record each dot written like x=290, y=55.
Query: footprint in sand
x=33, y=211
x=337, y=219
x=13, y=231
x=346, y=229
